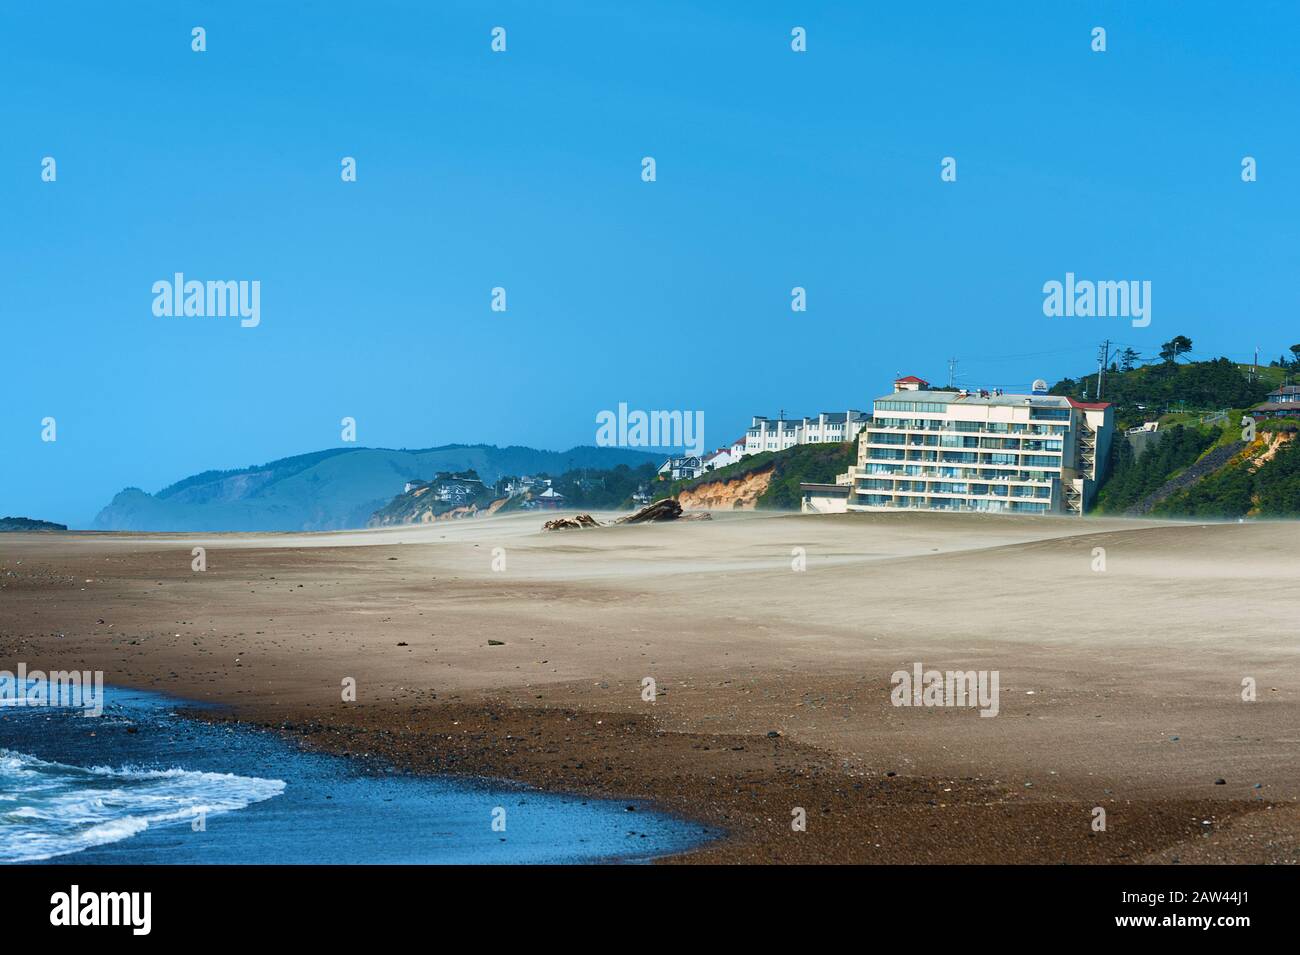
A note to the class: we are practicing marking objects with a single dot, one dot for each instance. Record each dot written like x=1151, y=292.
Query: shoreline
x=913, y=817
x=153, y=770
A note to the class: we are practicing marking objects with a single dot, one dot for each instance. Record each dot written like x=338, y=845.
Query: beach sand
x=1119, y=689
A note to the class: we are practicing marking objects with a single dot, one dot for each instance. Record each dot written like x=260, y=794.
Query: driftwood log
x=665, y=510
x=571, y=523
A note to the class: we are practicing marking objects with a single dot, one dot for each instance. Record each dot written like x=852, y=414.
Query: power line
x=1040, y=354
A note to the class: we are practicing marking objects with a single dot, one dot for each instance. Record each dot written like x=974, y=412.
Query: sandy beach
x=486, y=647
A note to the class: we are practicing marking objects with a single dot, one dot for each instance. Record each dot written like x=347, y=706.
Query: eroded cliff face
x=737, y=494
x=1271, y=445
x=427, y=514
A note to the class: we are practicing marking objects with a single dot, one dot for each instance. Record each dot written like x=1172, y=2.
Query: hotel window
x=929, y=407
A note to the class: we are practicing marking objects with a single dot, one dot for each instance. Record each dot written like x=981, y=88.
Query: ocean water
x=141, y=784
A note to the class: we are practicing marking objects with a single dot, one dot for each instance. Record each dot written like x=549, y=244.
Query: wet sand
x=1119, y=689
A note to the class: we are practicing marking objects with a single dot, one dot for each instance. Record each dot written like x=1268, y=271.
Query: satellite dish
x=1039, y=387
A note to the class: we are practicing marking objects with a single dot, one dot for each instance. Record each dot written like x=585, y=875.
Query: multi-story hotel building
x=974, y=451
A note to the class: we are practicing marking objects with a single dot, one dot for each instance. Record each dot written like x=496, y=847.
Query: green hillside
x=1198, y=465
x=1142, y=393
x=1134, y=478
x=1254, y=483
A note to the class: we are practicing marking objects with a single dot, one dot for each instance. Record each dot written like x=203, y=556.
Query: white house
x=457, y=490
x=719, y=459
x=767, y=434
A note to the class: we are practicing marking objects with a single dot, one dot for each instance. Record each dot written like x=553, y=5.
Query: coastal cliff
x=729, y=494
x=768, y=481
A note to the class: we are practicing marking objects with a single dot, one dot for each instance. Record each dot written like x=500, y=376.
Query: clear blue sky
x=522, y=169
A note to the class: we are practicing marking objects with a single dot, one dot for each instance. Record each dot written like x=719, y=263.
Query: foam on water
x=50, y=809
x=122, y=789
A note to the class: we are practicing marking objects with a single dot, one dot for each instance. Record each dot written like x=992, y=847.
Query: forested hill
x=1200, y=464
x=1172, y=386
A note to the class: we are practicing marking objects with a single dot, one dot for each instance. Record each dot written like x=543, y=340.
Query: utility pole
x=1102, y=358
x=952, y=372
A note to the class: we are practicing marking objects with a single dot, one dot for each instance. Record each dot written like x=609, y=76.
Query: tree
x=1178, y=345
x=1128, y=358
x=1295, y=350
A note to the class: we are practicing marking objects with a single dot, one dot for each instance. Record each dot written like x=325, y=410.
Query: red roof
x=909, y=379
x=1088, y=405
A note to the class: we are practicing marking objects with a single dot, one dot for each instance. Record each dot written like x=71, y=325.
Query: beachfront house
x=679, y=469
x=549, y=499
x=718, y=459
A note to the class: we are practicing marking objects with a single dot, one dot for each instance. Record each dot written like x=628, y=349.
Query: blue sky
x=522, y=170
